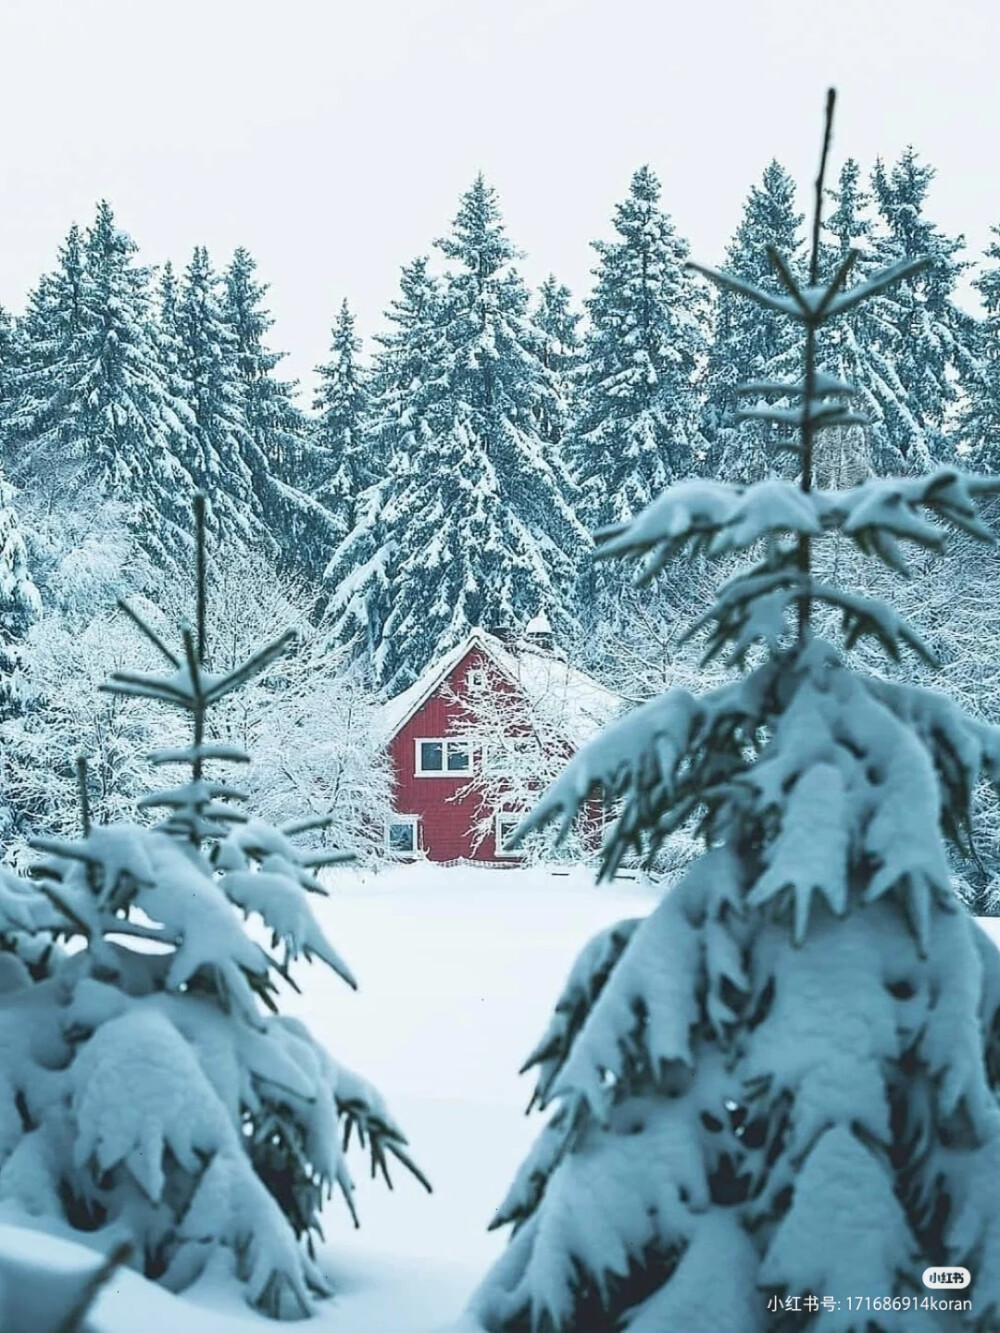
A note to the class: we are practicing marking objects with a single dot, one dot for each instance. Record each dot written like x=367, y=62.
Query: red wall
x=445, y=826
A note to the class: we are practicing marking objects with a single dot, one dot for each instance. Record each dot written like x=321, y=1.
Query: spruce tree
x=340, y=430
x=981, y=423
x=279, y=452
x=220, y=453
x=636, y=424
x=19, y=603
x=158, y=1096
x=750, y=344
x=917, y=328
x=474, y=524
x=88, y=400
x=560, y=354
x=775, y=1099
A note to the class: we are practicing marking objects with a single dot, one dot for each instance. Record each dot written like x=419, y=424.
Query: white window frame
x=444, y=771
x=505, y=816
x=414, y=823
x=475, y=678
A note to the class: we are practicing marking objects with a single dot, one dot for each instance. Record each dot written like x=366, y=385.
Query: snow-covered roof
x=581, y=705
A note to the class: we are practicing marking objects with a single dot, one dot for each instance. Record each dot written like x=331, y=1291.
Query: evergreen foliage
x=781, y=1084
x=982, y=417
x=280, y=456
x=341, y=426
x=158, y=1095
x=749, y=344
x=19, y=603
x=474, y=524
x=636, y=425
x=560, y=352
x=88, y=401
x=916, y=328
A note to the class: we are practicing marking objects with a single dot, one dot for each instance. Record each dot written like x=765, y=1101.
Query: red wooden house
x=435, y=756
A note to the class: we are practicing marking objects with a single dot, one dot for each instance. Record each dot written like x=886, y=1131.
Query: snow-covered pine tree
x=221, y=454
x=750, y=344
x=19, y=603
x=88, y=398
x=339, y=434
x=559, y=352
x=280, y=459
x=474, y=524
x=635, y=427
x=158, y=1096
x=778, y=1089
x=981, y=424
x=917, y=328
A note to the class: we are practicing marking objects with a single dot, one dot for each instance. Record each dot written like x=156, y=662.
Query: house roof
x=549, y=683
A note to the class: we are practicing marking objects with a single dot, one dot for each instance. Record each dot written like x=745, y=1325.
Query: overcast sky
x=333, y=139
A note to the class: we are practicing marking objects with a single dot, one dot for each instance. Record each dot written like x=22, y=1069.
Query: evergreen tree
x=917, y=328
x=19, y=603
x=560, y=354
x=637, y=421
x=159, y=1096
x=221, y=454
x=748, y=344
x=279, y=458
x=88, y=399
x=340, y=431
x=474, y=524
x=773, y=1086
x=981, y=424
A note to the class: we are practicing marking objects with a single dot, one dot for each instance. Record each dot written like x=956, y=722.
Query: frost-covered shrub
x=149, y=1089
x=775, y=1099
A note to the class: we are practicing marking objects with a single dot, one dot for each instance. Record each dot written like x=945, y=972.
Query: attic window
x=475, y=678
x=443, y=758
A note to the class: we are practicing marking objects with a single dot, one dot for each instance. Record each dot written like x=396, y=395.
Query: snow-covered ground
x=459, y=969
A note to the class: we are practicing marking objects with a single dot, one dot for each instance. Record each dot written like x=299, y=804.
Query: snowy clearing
x=459, y=969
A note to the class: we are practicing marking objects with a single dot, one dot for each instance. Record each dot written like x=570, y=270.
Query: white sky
x=333, y=139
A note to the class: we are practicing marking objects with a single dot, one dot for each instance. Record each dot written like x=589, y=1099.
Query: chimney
x=538, y=632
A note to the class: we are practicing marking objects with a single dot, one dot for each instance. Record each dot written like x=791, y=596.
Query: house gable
x=425, y=731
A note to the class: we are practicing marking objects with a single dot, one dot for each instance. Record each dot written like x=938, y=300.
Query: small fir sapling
x=149, y=1089
x=781, y=1085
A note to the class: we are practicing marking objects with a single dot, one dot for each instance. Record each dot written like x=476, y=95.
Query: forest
x=450, y=478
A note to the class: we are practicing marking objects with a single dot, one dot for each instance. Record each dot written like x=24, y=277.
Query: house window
x=476, y=679
x=401, y=835
x=506, y=823
x=443, y=758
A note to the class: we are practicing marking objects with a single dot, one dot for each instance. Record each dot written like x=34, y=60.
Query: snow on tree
x=280, y=456
x=780, y=1085
x=474, y=524
x=636, y=422
x=221, y=453
x=88, y=399
x=150, y=1090
x=340, y=431
x=981, y=422
x=750, y=344
x=19, y=601
x=533, y=709
x=560, y=354
x=310, y=720
x=917, y=328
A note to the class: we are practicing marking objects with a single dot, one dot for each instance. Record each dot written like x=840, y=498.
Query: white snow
x=459, y=970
